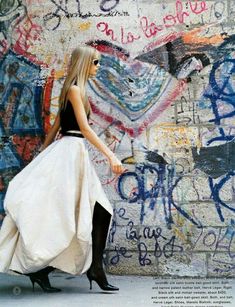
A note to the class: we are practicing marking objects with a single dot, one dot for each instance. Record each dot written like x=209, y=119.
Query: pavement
x=136, y=291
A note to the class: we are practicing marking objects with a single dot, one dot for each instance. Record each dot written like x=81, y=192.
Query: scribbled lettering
x=104, y=27
x=119, y=252
x=143, y=259
x=150, y=28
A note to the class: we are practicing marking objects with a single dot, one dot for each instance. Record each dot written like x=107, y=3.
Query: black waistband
x=78, y=135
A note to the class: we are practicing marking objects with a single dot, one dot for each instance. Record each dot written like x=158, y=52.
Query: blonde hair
x=78, y=73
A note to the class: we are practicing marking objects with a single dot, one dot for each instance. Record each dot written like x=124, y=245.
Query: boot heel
x=89, y=278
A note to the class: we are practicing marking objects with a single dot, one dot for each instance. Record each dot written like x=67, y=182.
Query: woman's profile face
x=95, y=64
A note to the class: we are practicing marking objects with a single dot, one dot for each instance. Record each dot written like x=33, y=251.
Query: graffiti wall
x=163, y=101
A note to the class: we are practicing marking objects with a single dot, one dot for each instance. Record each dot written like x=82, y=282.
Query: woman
x=57, y=214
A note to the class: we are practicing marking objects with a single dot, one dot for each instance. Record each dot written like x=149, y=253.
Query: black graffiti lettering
x=169, y=248
x=157, y=250
x=130, y=233
x=112, y=231
x=52, y=20
x=152, y=233
x=143, y=260
x=115, y=259
x=108, y=5
x=121, y=213
x=119, y=251
x=219, y=8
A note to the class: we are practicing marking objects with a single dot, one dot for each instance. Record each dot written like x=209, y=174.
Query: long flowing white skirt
x=49, y=207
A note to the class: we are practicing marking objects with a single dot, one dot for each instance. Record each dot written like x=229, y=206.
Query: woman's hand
x=116, y=165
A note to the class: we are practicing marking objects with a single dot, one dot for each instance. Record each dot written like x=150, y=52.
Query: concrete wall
x=163, y=101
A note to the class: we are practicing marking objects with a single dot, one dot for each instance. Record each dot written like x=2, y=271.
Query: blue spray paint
x=162, y=189
x=215, y=190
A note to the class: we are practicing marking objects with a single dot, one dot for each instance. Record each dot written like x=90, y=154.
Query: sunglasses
x=95, y=62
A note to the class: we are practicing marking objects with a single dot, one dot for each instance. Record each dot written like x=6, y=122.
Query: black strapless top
x=68, y=119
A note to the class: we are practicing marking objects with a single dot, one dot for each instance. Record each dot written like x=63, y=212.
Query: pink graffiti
x=162, y=40
x=126, y=38
x=149, y=28
x=152, y=29
x=129, y=37
x=104, y=27
x=28, y=32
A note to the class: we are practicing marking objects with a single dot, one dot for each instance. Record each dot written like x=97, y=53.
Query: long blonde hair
x=78, y=73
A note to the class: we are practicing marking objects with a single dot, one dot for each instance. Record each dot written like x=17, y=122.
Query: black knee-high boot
x=101, y=220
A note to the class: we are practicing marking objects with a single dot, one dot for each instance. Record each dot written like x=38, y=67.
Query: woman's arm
x=52, y=133
x=74, y=95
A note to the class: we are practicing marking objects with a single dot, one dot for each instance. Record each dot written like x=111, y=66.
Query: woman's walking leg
x=101, y=221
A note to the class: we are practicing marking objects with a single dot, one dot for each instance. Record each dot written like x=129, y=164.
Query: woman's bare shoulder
x=74, y=89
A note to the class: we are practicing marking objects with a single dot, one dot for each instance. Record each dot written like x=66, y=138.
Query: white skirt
x=49, y=208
